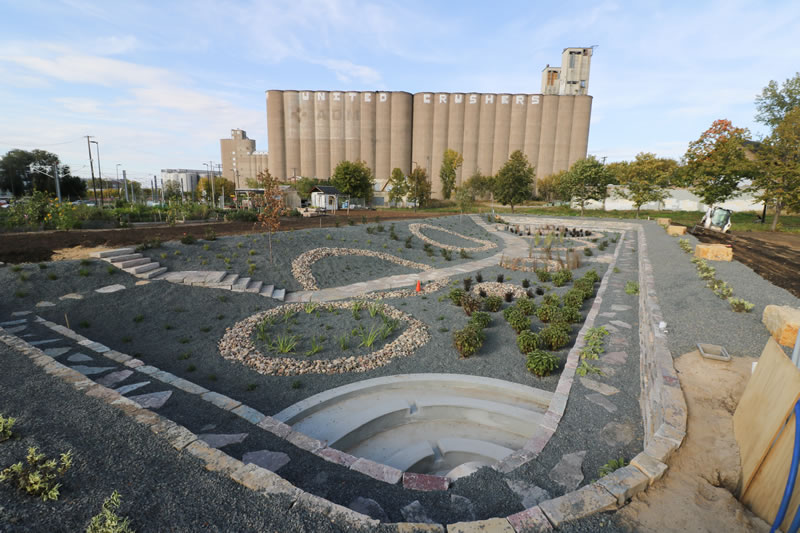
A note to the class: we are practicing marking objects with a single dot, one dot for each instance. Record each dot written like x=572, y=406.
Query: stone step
x=267, y=291
x=126, y=257
x=279, y=294
x=215, y=277
x=153, y=274
x=241, y=284
x=141, y=269
x=254, y=287
x=134, y=262
x=113, y=253
x=226, y=282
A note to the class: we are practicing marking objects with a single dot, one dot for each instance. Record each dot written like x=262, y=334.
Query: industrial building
x=240, y=160
x=310, y=132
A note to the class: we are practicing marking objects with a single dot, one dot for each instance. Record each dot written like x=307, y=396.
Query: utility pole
x=213, y=193
x=91, y=168
x=99, y=170
x=124, y=179
x=58, y=184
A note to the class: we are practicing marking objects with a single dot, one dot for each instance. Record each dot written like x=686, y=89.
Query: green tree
x=72, y=187
x=716, y=162
x=775, y=102
x=588, y=179
x=172, y=190
x=220, y=184
x=550, y=188
x=303, y=187
x=512, y=186
x=16, y=176
x=451, y=160
x=398, y=186
x=778, y=158
x=480, y=185
x=419, y=188
x=645, y=179
x=465, y=198
x=354, y=179
x=270, y=206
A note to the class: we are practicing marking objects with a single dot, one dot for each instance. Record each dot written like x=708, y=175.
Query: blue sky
x=159, y=83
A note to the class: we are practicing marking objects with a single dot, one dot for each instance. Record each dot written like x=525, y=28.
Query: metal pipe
x=796, y=351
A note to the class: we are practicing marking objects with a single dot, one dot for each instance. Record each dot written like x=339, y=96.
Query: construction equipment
x=716, y=219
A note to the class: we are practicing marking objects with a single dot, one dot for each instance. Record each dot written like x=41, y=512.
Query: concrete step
x=112, y=253
x=134, y=262
x=279, y=294
x=241, y=284
x=152, y=274
x=254, y=287
x=226, y=282
x=267, y=291
x=122, y=258
x=141, y=269
x=215, y=277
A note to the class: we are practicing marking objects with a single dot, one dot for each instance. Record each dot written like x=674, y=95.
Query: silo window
x=583, y=84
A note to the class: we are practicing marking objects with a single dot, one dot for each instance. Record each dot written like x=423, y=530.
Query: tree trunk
x=512, y=208
x=778, y=206
x=270, y=248
x=637, y=210
x=581, y=207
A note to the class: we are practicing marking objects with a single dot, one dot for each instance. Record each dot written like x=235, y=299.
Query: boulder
x=714, y=252
x=676, y=230
x=782, y=322
x=664, y=221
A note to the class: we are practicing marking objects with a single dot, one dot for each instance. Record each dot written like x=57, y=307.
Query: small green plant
x=462, y=253
x=251, y=387
x=205, y=329
x=111, y=270
x=493, y=303
x=526, y=306
x=126, y=339
x=191, y=368
x=508, y=296
x=344, y=342
x=593, y=343
x=456, y=295
x=24, y=276
x=480, y=319
x=612, y=466
x=84, y=324
x=585, y=368
x=588, y=252
x=176, y=252
x=555, y=336
x=470, y=304
x=212, y=377
x=527, y=341
x=518, y=321
x=316, y=345
x=184, y=340
x=310, y=307
x=541, y=363
x=85, y=262
x=38, y=474
x=108, y=521
x=543, y=275
x=16, y=268
x=685, y=246
x=375, y=309
x=52, y=276
x=561, y=278
x=526, y=283
x=184, y=356
x=83, y=272
x=500, y=278
x=739, y=305
x=5, y=427
x=296, y=384
x=468, y=340
x=286, y=343
x=138, y=318
x=446, y=254
x=20, y=293
x=163, y=255
x=546, y=312
x=467, y=283
x=631, y=287
x=616, y=270
x=168, y=326
x=369, y=338
x=479, y=277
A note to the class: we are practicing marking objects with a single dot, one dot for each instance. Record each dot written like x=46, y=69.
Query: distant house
x=291, y=199
x=325, y=197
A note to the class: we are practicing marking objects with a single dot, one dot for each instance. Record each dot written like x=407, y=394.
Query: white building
x=187, y=178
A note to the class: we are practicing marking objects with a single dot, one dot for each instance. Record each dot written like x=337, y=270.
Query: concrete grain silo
x=516, y=136
x=502, y=131
x=488, y=104
x=547, y=139
x=277, y=134
x=322, y=134
x=291, y=112
x=533, y=131
x=455, y=131
x=402, y=111
x=563, y=132
x=422, y=137
x=337, y=129
x=383, y=136
x=472, y=121
x=579, y=139
x=368, y=130
x=308, y=146
x=440, y=141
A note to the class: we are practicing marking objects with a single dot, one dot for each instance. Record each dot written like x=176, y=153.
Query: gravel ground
x=694, y=314
x=243, y=250
x=162, y=490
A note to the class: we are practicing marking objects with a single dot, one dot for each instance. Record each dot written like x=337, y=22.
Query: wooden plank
x=766, y=403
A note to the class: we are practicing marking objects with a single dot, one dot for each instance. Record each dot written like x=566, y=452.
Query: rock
x=714, y=252
x=664, y=221
x=16, y=329
x=71, y=296
x=79, y=358
x=55, y=352
x=369, y=507
x=91, y=370
x=114, y=377
x=529, y=494
x=132, y=387
x=461, y=508
x=602, y=401
x=615, y=434
x=782, y=322
x=108, y=289
x=218, y=440
x=596, y=386
x=45, y=303
x=615, y=358
x=272, y=461
x=675, y=231
x=568, y=472
x=415, y=512
x=153, y=400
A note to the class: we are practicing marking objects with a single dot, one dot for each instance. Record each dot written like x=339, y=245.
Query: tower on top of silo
x=572, y=78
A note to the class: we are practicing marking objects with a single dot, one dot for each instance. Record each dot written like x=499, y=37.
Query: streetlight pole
x=213, y=192
x=91, y=168
x=99, y=170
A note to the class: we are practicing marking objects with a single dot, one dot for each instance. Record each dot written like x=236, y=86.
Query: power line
x=14, y=143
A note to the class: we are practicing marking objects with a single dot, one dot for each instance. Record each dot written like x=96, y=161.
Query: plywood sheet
x=765, y=405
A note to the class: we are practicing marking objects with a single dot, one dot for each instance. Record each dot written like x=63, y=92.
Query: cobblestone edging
x=301, y=266
x=483, y=244
x=663, y=411
x=237, y=345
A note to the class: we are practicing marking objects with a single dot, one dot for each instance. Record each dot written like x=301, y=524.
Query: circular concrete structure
x=443, y=424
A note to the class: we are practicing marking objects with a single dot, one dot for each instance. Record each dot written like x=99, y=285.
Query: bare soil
x=697, y=494
x=772, y=255
x=31, y=247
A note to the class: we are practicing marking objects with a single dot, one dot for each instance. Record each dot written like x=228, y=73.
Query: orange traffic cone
x=419, y=286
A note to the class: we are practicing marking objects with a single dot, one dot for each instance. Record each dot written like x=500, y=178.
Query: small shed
x=325, y=197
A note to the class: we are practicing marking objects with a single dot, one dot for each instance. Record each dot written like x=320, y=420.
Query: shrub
x=493, y=303
x=500, y=278
x=585, y=286
x=463, y=254
x=542, y=363
x=467, y=284
x=188, y=239
x=611, y=466
x=52, y=276
x=587, y=252
x=539, y=290
x=593, y=343
x=530, y=294
x=546, y=312
x=243, y=215
x=479, y=277
x=482, y=293
x=408, y=241
x=542, y=274
x=568, y=314
x=573, y=298
x=519, y=322
x=209, y=235
x=739, y=305
x=526, y=283
x=38, y=476
x=631, y=287
x=554, y=336
x=468, y=340
x=527, y=341
x=108, y=521
x=83, y=272
x=455, y=296
x=509, y=296
x=592, y=275
x=508, y=311
x=5, y=427
x=480, y=319
x=552, y=298
x=561, y=277
x=470, y=304
x=526, y=306
x=447, y=255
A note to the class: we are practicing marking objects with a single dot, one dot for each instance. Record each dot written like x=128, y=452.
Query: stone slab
x=91, y=370
x=492, y=525
x=602, y=388
x=276, y=427
x=416, y=527
x=624, y=483
x=45, y=303
x=55, y=352
x=577, y=504
x=675, y=231
x=215, y=460
x=305, y=442
x=568, y=471
x=424, y=482
x=783, y=322
x=153, y=400
x=188, y=386
x=529, y=494
x=650, y=467
x=714, y=252
x=531, y=520
x=109, y=289
x=598, y=399
x=71, y=296
x=377, y=471
x=272, y=461
x=221, y=401
x=218, y=440
x=14, y=322
x=333, y=455
x=125, y=389
x=114, y=377
x=249, y=414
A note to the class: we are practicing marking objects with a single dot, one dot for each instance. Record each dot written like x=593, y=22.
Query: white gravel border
x=417, y=227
